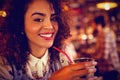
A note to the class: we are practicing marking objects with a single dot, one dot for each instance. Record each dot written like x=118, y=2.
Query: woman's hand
x=74, y=71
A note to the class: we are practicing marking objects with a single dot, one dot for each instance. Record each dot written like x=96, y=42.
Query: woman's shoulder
x=4, y=69
x=8, y=72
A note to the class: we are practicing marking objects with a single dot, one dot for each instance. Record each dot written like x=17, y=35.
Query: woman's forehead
x=41, y=4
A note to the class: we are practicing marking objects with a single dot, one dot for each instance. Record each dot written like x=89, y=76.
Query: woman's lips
x=47, y=36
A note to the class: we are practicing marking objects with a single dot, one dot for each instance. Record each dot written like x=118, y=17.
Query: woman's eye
x=54, y=19
x=38, y=20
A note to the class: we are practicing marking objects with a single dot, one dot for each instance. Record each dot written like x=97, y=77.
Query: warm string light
x=3, y=13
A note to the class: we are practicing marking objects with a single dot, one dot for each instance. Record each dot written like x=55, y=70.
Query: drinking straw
x=63, y=53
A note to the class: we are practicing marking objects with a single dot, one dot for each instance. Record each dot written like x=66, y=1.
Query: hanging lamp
x=107, y=5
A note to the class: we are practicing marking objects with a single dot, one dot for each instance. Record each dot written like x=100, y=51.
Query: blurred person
x=68, y=45
x=28, y=35
x=105, y=50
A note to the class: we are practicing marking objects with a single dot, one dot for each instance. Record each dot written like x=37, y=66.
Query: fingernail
x=93, y=78
x=91, y=70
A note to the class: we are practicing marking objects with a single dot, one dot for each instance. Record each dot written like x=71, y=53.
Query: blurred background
x=89, y=37
x=83, y=12
x=95, y=30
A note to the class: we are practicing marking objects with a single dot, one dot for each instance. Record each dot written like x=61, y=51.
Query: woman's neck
x=38, y=52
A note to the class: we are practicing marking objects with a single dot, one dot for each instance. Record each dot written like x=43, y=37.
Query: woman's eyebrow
x=42, y=14
x=38, y=13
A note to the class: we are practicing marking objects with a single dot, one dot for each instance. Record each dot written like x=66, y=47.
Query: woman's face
x=40, y=24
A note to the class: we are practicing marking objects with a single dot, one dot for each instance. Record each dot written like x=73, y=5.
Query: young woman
x=28, y=35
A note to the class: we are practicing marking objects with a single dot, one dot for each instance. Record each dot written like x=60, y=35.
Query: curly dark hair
x=14, y=45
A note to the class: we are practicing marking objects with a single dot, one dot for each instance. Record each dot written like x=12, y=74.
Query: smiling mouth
x=46, y=36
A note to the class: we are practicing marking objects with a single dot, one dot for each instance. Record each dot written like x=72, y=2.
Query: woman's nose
x=48, y=24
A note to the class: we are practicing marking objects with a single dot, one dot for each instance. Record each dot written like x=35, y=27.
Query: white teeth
x=46, y=35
